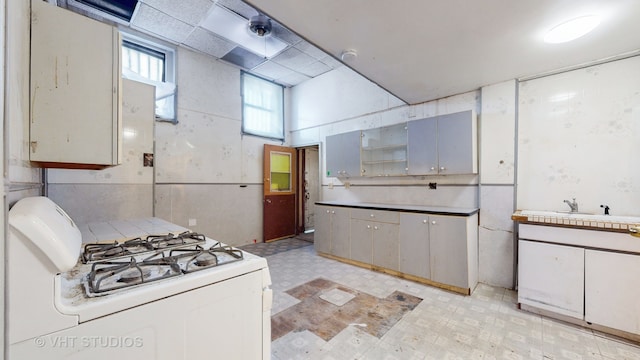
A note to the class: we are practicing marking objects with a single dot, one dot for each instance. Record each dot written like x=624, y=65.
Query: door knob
x=268, y=201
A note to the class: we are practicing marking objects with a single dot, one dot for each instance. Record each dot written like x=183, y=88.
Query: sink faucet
x=572, y=204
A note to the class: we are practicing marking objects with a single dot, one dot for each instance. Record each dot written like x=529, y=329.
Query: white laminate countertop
x=438, y=210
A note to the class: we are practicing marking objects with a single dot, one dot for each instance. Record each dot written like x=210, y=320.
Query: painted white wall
x=341, y=101
x=578, y=138
x=497, y=177
x=24, y=180
x=202, y=161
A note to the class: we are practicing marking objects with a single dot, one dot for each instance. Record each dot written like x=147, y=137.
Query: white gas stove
x=165, y=293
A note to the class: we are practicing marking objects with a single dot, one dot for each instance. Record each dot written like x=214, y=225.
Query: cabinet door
x=551, y=277
x=457, y=143
x=361, y=240
x=448, y=250
x=611, y=290
x=384, y=151
x=322, y=233
x=340, y=223
x=413, y=240
x=385, y=245
x=75, y=89
x=422, y=147
x=343, y=154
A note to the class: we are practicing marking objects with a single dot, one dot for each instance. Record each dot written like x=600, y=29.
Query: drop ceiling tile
x=189, y=11
x=243, y=58
x=314, y=69
x=238, y=7
x=293, y=79
x=331, y=62
x=271, y=70
x=209, y=43
x=284, y=34
x=310, y=50
x=293, y=59
x=151, y=20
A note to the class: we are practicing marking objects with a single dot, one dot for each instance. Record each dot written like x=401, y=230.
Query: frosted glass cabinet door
x=75, y=89
x=343, y=154
x=457, y=142
x=422, y=147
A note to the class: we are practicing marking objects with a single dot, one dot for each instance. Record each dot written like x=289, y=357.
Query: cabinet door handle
x=424, y=221
x=368, y=226
x=433, y=168
x=333, y=212
x=442, y=168
x=372, y=215
x=375, y=228
x=433, y=222
x=328, y=211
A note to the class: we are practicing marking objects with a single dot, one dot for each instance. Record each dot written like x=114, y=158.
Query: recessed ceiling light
x=572, y=29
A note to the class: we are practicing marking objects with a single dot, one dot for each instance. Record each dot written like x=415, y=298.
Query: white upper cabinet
x=444, y=145
x=343, y=154
x=75, y=90
x=440, y=145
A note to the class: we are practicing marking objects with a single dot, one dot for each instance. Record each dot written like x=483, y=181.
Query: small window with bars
x=262, y=107
x=152, y=65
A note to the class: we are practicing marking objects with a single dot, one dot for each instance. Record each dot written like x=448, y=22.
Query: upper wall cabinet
x=75, y=90
x=343, y=154
x=444, y=145
x=384, y=151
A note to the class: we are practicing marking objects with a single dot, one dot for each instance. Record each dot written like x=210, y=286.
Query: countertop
x=436, y=210
x=577, y=220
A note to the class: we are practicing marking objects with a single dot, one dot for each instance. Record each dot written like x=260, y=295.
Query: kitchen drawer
x=392, y=217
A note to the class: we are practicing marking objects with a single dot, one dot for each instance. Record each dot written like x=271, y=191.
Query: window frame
x=245, y=131
x=143, y=43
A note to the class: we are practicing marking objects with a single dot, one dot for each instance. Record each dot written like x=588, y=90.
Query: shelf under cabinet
x=376, y=162
x=384, y=147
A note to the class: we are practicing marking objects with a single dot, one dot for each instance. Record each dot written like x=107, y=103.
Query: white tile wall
x=578, y=137
x=226, y=213
x=497, y=133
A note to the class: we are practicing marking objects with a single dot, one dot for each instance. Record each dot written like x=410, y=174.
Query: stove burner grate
x=131, y=247
x=107, y=276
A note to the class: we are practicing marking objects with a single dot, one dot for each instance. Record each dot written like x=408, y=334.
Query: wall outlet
x=433, y=186
x=347, y=184
x=330, y=185
x=193, y=222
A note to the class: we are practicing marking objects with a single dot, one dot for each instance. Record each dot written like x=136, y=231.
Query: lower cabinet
x=611, y=291
x=332, y=230
x=413, y=245
x=450, y=247
x=441, y=250
x=586, y=276
x=551, y=277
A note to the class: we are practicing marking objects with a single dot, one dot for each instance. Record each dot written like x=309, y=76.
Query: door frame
x=300, y=183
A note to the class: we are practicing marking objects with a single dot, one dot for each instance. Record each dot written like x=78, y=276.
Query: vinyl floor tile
x=444, y=325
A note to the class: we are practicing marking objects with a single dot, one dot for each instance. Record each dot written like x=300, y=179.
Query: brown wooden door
x=279, y=202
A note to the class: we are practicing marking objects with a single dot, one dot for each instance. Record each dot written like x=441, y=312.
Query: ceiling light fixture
x=260, y=25
x=234, y=27
x=572, y=29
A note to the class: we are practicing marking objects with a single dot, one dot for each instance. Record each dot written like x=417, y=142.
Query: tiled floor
x=485, y=325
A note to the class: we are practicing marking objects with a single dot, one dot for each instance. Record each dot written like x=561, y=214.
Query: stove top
x=115, y=266
x=109, y=276
x=137, y=246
